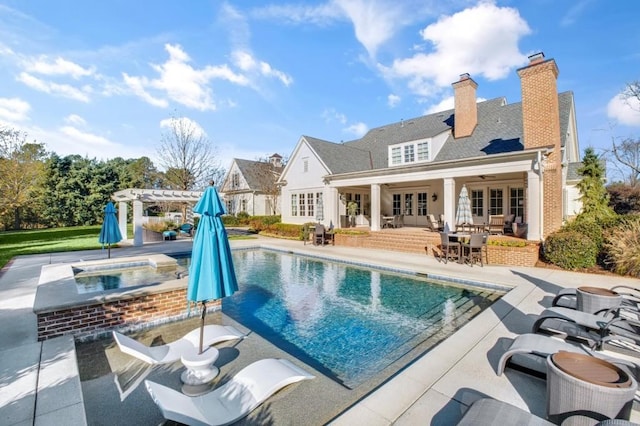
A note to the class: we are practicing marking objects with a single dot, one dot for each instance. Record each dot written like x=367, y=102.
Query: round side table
x=200, y=371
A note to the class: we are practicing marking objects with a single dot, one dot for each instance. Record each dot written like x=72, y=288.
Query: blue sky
x=101, y=79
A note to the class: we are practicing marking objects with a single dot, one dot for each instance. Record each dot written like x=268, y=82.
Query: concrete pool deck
x=436, y=388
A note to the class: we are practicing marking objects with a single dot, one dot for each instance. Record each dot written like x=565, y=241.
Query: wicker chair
x=450, y=249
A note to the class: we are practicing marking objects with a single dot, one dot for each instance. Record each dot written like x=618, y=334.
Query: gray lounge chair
x=615, y=324
x=491, y=412
x=568, y=298
x=530, y=352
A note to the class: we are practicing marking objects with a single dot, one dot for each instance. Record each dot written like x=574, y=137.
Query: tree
x=268, y=173
x=187, y=155
x=593, y=194
x=20, y=171
x=627, y=153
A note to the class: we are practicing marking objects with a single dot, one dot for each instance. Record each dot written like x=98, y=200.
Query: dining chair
x=450, y=249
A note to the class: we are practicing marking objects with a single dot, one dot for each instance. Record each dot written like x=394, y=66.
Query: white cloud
x=331, y=115
x=374, y=21
x=14, y=109
x=320, y=15
x=64, y=90
x=188, y=125
x=445, y=104
x=393, y=100
x=85, y=138
x=75, y=120
x=482, y=40
x=182, y=83
x=59, y=66
x=625, y=111
x=357, y=129
x=247, y=63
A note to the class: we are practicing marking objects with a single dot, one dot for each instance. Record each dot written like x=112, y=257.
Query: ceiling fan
x=483, y=177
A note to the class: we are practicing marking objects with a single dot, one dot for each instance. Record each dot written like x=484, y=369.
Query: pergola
x=138, y=197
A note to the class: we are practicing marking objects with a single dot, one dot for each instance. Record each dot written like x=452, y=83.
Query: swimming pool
x=346, y=321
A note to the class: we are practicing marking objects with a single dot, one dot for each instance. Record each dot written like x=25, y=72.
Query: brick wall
x=541, y=128
x=466, y=109
x=128, y=313
x=429, y=244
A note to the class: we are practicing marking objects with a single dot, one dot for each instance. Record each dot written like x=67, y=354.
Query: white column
x=122, y=218
x=332, y=207
x=534, y=205
x=449, y=202
x=375, y=207
x=137, y=223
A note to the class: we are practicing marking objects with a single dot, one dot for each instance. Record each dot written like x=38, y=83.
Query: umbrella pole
x=204, y=312
x=109, y=251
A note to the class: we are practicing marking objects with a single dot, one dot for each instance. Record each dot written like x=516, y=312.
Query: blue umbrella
x=463, y=215
x=211, y=273
x=110, y=231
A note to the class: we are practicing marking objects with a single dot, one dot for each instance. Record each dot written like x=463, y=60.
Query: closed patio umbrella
x=110, y=231
x=463, y=214
x=320, y=210
x=211, y=273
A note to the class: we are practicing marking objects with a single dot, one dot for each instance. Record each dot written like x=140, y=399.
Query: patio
x=435, y=389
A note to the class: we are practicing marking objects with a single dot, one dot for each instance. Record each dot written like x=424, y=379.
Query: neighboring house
x=512, y=158
x=250, y=187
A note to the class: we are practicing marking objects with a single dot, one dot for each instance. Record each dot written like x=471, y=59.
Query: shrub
x=229, y=220
x=243, y=218
x=570, y=250
x=622, y=248
x=160, y=226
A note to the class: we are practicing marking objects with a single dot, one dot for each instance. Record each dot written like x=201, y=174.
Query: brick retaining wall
x=139, y=311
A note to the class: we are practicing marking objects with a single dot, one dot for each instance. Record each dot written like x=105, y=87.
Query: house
x=512, y=158
x=250, y=187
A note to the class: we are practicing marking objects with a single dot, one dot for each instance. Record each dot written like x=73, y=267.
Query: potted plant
x=352, y=209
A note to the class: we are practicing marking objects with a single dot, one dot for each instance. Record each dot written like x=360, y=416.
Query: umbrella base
x=200, y=371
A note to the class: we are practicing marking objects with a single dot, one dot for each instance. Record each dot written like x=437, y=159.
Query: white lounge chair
x=232, y=401
x=172, y=352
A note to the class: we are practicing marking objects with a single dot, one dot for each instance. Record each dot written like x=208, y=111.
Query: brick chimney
x=466, y=110
x=541, y=127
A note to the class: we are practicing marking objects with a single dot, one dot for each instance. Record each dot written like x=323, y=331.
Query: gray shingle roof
x=499, y=130
x=255, y=173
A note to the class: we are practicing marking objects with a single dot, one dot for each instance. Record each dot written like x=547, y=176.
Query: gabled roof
x=255, y=172
x=340, y=158
x=499, y=130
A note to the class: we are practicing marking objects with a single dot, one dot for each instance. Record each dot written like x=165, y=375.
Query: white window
x=396, y=155
x=409, y=157
x=294, y=204
x=423, y=151
x=235, y=181
x=410, y=152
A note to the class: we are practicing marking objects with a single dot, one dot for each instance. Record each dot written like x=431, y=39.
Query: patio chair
x=320, y=235
x=619, y=323
x=474, y=249
x=568, y=297
x=508, y=224
x=247, y=390
x=496, y=224
x=171, y=352
x=450, y=249
x=186, y=229
x=489, y=411
x=433, y=224
x=529, y=352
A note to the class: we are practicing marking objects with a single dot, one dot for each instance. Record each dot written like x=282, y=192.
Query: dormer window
x=410, y=152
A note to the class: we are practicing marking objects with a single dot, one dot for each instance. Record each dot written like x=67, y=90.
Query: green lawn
x=14, y=243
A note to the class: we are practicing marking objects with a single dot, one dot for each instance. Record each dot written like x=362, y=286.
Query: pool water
x=346, y=321
x=126, y=276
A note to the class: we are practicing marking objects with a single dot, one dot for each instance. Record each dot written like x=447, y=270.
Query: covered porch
x=494, y=188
